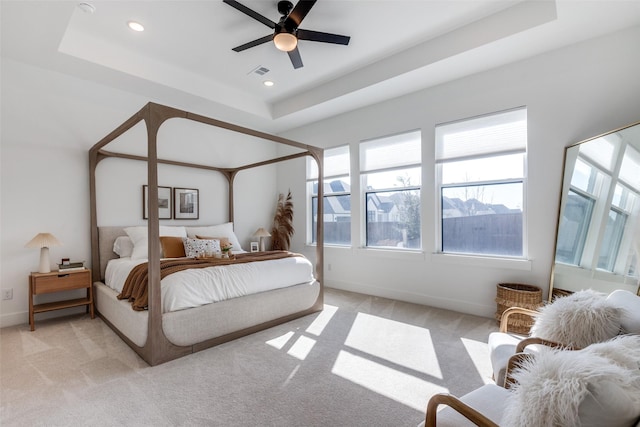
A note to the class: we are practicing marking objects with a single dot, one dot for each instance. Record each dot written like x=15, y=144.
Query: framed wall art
x=164, y=202
x=186, y=204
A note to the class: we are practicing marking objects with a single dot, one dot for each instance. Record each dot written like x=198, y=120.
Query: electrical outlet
x=7, y=294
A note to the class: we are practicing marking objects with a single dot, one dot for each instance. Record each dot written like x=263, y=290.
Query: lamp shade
x=261, y=232
x=43, y=241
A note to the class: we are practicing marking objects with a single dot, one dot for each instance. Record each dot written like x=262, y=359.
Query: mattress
x=197, y=287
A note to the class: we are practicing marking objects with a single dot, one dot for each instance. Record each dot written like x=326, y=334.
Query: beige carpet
x=363, y=361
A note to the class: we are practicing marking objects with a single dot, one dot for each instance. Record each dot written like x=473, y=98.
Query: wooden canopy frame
x=158, y=348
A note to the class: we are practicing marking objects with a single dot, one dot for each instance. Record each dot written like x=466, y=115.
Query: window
x=480, y=163
x=391, y=175
x=574, y=225
x=337, y=196
x=587, y=183
x=622, y=206
x=600, y=209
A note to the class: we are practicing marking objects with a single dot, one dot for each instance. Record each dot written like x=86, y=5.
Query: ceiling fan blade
x=253, y=43
x=255, y=15
x=317, y=36
x=296, y=60
x=299, y=12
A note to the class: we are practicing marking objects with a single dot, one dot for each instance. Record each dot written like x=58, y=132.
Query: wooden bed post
x=95, y=156
x=318, y=156
x=157, y=347
x=231, y=176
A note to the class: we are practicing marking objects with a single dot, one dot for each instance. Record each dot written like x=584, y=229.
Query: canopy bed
x=159, y=330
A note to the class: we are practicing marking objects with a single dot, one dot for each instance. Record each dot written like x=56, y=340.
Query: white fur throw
x=578, y=388
x=582, y=318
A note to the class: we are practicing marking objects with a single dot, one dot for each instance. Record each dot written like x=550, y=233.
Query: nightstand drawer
x=61, y=282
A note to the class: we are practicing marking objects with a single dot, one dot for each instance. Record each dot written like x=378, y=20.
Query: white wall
x=570, y=94
x=49, y=122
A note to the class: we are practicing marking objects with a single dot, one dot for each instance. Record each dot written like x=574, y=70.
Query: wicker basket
x=518, y=295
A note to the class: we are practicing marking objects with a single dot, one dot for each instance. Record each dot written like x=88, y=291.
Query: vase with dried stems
x=282, y=223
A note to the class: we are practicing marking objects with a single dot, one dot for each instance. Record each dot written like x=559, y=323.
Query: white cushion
x=630, y=305
x=123, y=246
x=140, y=239
x=489, y=400
x=582, y=318
x=221, y=230
x=578, y=388
x=501, y=347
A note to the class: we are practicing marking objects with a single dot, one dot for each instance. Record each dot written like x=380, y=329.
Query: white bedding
x=196, y=287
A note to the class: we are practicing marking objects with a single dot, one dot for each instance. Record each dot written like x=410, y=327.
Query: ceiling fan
x=286, y=32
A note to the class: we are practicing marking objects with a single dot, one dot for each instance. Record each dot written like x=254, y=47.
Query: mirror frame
x=566, y=181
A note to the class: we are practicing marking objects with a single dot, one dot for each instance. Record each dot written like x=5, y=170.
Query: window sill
x=391, y=253
x=480, y=261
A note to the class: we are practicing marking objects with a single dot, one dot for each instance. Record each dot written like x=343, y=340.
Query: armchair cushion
x=630, y=305
x=489, y=399
x=578, y=320
x=578, y=388
x=501, y=347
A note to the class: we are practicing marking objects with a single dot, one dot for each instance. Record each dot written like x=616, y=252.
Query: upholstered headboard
x=106, y=237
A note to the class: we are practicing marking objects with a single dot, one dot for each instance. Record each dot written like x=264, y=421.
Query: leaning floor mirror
x=598, y=236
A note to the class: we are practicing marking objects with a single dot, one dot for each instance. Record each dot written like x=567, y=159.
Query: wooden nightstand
x=57, y=281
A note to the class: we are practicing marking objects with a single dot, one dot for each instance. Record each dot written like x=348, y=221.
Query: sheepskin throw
x=578, y=388
x=577, y=320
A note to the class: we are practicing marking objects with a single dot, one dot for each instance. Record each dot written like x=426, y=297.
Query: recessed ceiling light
x=268, y=83
x=86, y=7
x=135, y=26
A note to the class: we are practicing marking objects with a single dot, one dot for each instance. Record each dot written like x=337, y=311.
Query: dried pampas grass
x=282, y=223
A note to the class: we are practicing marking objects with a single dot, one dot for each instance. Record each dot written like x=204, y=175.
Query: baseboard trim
x=438, y=302
x=13, y=319
x=22, y=317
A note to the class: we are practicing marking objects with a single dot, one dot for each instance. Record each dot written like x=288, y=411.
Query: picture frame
x=164, y=202
x=254, y=247
x=186, y=203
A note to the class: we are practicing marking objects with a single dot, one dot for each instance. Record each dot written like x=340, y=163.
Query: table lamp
x=43, y=241
x=261, y=233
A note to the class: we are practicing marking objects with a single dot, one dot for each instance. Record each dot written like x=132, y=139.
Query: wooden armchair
x=617, y=313
x=503, y=345
x=592, y=387
x=482, y=407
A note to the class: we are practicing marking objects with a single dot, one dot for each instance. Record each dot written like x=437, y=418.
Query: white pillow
x=139, y=237
x=221, y=230
x=574, y=388
x=194, y=247
x=630, y=305
x=123, y=246
x=582, y=318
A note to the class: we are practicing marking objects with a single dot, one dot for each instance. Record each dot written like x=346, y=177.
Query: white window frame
x=364, y=170
x=330, y=174
x=442, y=156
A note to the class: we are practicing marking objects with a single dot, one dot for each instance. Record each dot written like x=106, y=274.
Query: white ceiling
x=397, y=46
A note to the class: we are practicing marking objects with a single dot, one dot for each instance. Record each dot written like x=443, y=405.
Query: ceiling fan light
x=286, y=42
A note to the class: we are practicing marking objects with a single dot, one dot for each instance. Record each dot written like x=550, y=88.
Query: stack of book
x=72, y=266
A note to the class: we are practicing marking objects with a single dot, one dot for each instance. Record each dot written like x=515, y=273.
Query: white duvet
x=199, y=286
